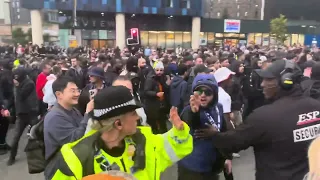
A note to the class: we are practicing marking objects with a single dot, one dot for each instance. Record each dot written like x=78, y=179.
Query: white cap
x=223, y=74
x=246, y=52
x=158, y=65
x=263, y=58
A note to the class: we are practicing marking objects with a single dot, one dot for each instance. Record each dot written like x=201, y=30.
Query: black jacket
x=79, y=78
x=280, y=134
x=26, y=97
x=235, y=90
x=6, y=89
x=151, y=88
x=110, y=75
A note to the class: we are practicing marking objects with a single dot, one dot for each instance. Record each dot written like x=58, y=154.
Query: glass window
x=153, y=35
x=294, y=38
x=258, y=39
x=169, y=39
x=144, y=37
x=210, y=38
x=103, y=34
x=184, y=3
x=251, y=38
x=203, y=35
x=301, y=39
x=287, y=42
x=178, y=38
x=186, y=43
x=102, y=43
x=266, y=40
x=167, y=3
x=219, y=35
x=111, y=34
x=273, y=40
x=161, y=39
x=242, y=36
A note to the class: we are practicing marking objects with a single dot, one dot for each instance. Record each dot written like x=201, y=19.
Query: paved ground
x=243, y=168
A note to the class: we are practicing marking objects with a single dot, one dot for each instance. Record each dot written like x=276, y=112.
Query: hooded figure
x=235, y=90
x=205, y=162
x=25, y=94
x=26, y=107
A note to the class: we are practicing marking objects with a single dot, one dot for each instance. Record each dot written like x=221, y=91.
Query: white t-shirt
x=225, y=100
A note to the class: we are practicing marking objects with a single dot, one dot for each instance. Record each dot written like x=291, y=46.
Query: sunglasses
x=206, y=92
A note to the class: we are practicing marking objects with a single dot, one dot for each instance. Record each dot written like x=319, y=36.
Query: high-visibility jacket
x=160, y=152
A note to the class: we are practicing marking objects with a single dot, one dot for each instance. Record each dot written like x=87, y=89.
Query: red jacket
x=41, y=82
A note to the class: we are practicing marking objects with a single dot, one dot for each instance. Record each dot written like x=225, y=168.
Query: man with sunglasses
x=206, y=161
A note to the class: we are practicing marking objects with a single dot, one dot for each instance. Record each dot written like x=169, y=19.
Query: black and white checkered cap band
x=101, y=112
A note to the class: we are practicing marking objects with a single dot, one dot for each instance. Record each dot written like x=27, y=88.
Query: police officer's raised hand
x=90, y=106
x=207, y=132
x=175, y=119
x=195, y=102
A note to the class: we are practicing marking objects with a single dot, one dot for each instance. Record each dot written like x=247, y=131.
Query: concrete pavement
x=243, y=168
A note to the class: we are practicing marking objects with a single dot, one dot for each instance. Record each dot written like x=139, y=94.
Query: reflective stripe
x=70, y=157
x=169, y=150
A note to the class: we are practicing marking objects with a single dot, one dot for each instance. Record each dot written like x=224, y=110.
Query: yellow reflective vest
x=161, y=151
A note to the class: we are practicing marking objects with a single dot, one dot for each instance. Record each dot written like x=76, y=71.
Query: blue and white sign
x=232, y=26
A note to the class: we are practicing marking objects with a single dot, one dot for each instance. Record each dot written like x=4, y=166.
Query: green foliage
x=279, y=29
x=29, y=35
x=46, y=37
x=18, y=36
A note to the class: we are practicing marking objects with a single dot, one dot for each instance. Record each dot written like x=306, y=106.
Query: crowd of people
x=219, y=101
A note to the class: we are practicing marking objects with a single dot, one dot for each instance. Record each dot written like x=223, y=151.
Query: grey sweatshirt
x=62, y=126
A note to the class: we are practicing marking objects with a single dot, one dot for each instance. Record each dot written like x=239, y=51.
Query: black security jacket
x=280, y=134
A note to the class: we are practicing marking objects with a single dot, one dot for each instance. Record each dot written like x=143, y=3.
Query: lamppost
x=10, y=14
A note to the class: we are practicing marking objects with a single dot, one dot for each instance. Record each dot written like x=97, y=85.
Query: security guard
x=116, y=144
x=279, y=132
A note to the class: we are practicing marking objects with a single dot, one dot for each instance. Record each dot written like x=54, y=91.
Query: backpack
x=35, y=148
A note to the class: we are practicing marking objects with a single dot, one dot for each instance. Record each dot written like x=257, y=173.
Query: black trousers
x=43, y=107
x=4, y=125
x=157, y=122
x=23, y=121
x=186, y=174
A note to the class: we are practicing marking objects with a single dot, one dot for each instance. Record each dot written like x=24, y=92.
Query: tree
x=225, y=14
x=46, y=37
x=279, y=29
x=18, y=36
x=29, y=35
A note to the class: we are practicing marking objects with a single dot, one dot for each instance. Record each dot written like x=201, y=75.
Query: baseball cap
x=273, y=71
x=113, y=101
x=223, y=74
x=201, y=68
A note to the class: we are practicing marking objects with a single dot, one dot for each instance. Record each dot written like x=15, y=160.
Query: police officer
x=280, y=132
x=116, y=144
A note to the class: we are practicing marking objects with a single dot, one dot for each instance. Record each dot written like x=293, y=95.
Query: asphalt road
x=243, y=167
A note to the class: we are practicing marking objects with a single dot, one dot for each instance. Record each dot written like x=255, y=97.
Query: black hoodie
x=25, y=93
x=6, y=84
x=235, y=89
x=178, y=92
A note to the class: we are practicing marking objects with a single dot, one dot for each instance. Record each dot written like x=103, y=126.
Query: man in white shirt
x=224, y=78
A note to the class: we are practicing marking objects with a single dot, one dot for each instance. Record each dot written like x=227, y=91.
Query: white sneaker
x=236, y=155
